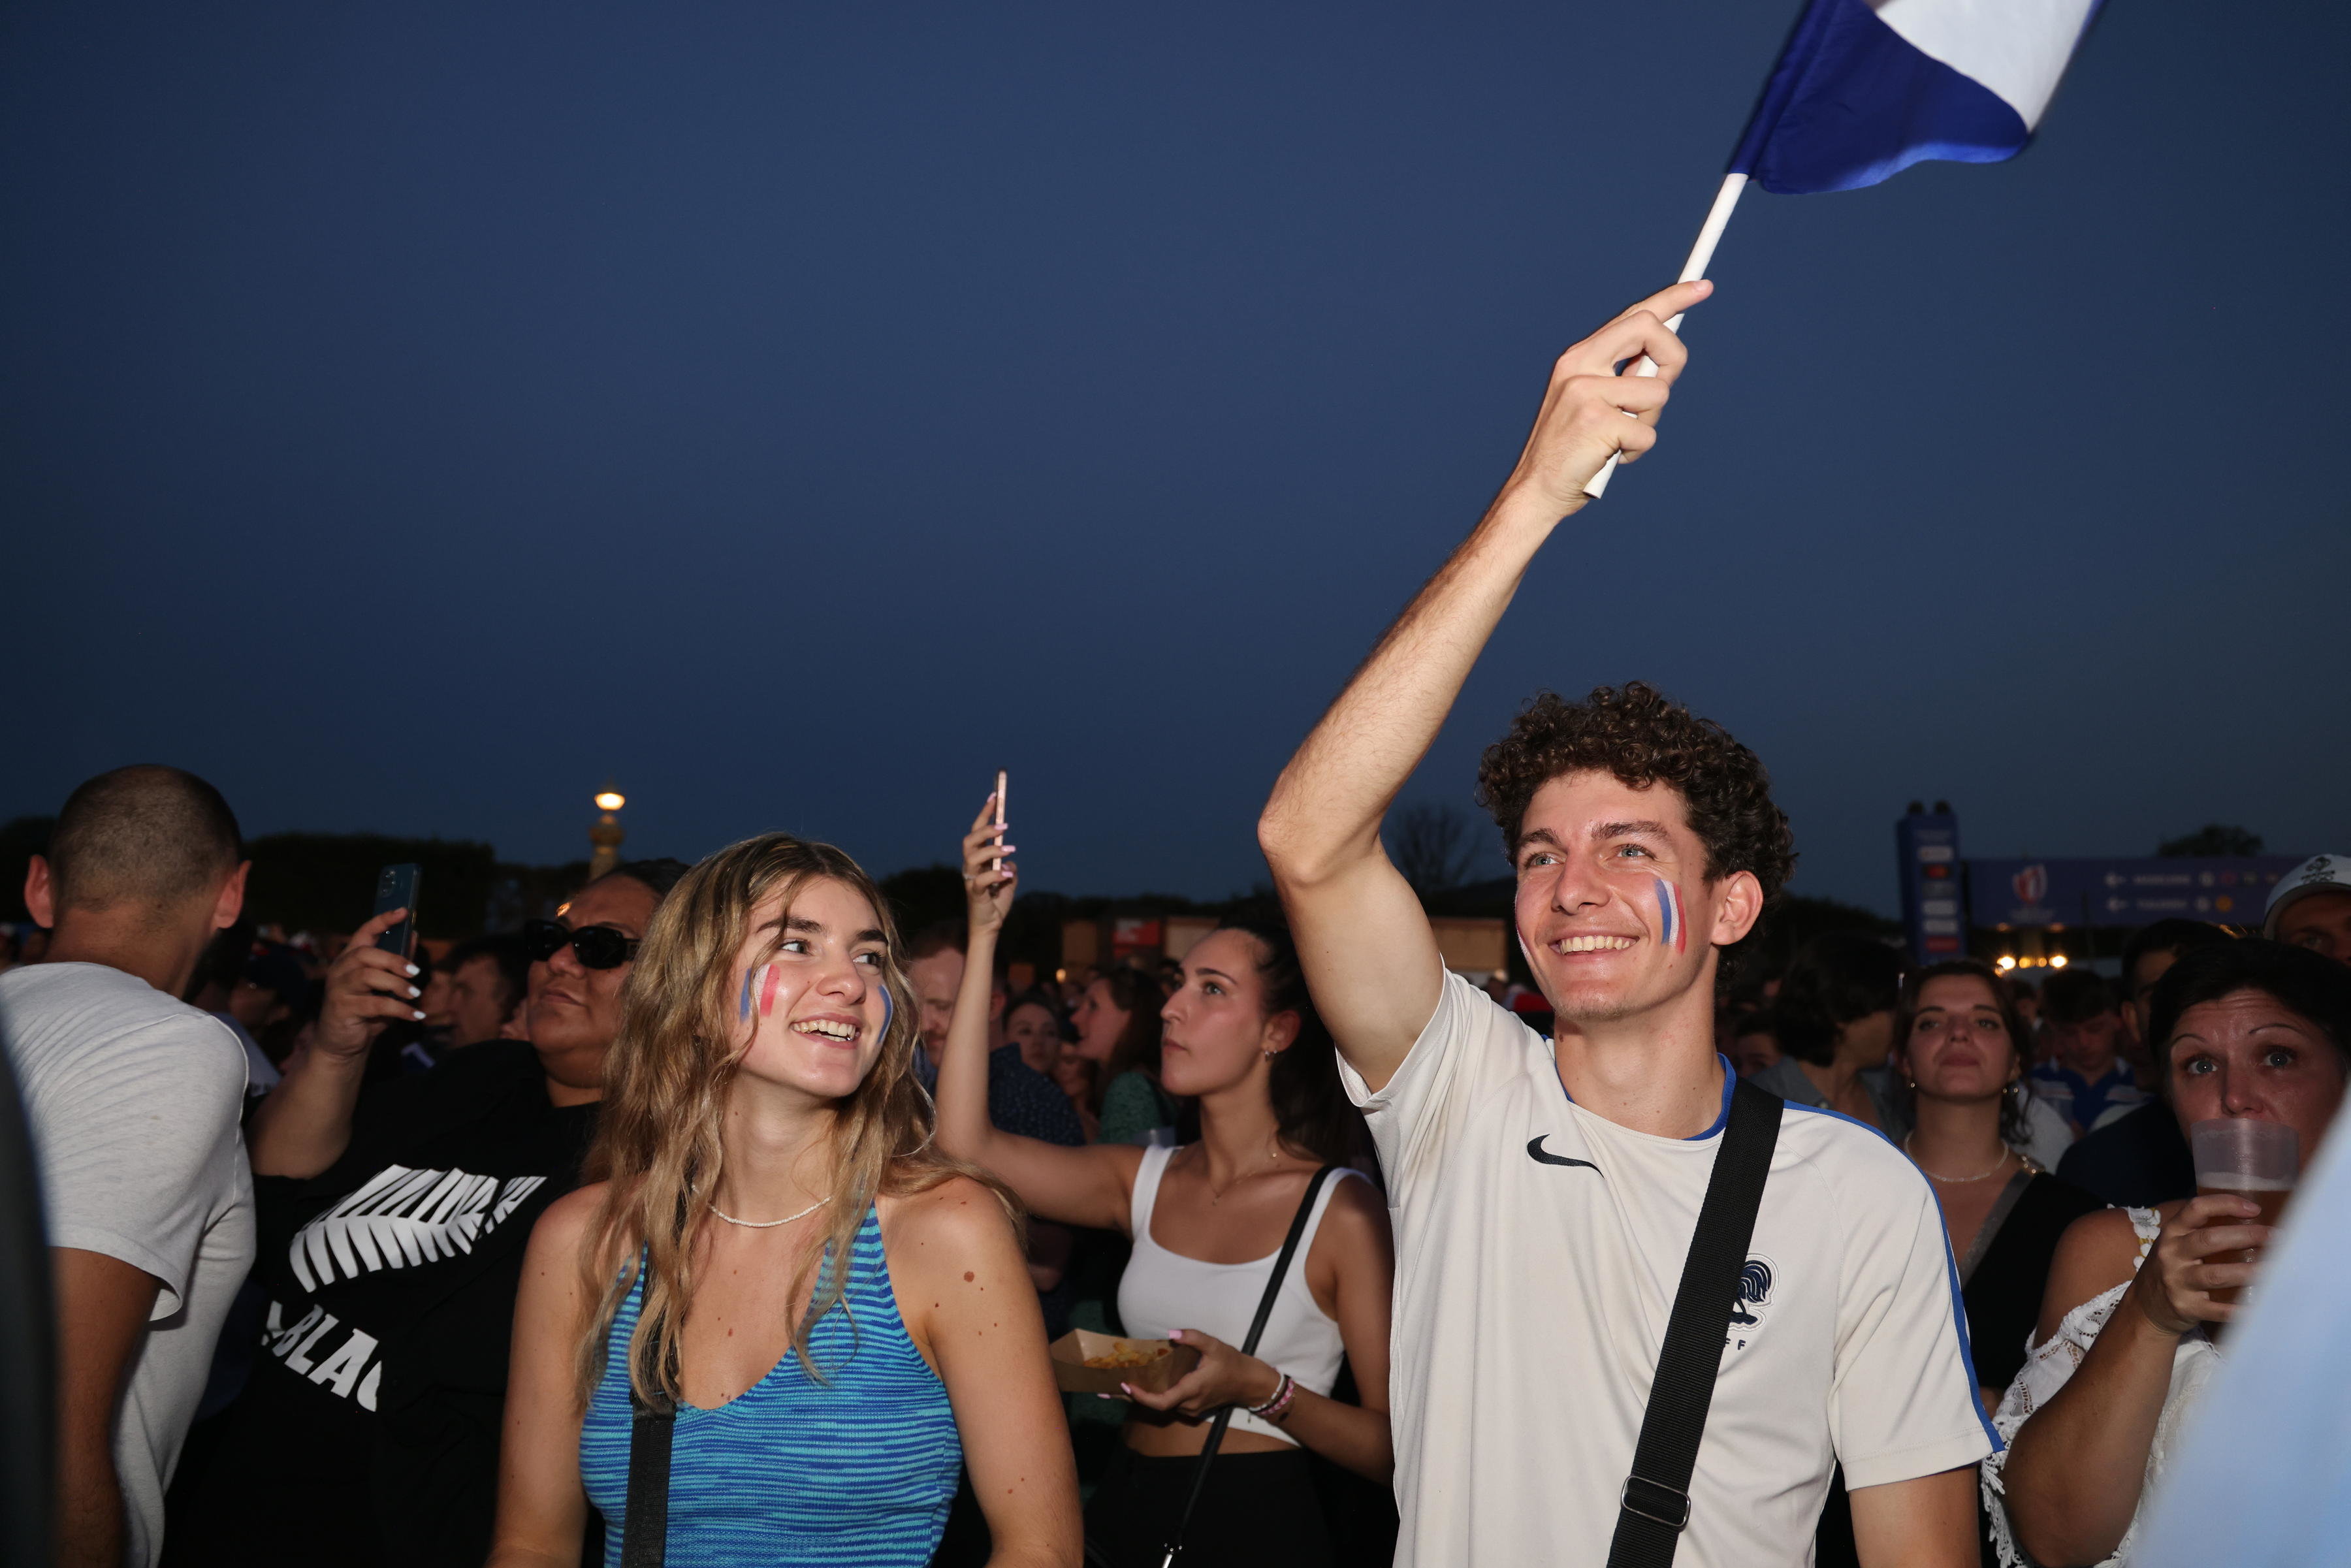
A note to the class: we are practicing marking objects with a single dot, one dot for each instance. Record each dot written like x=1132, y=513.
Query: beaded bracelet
x=1278, y=1406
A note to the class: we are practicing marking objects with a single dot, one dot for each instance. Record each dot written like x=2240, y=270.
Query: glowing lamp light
x=2006, y=963
x=611, y=800
x=2058, y=960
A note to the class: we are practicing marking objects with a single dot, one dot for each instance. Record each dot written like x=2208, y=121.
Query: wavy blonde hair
x=666, y=1084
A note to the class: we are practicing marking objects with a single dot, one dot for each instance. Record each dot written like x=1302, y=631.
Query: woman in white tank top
x=1208, y=1221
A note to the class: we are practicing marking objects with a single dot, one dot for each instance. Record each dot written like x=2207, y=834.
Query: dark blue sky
x=410, y=415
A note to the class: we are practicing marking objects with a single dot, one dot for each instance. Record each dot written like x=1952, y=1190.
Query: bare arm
x=2075, y=1469
x=542, y=1506
x=102, y=1308
x=1368, y=951
x=1088, y=1187
x=306, y=1123
x=1927, y=1522
x=963, y=1292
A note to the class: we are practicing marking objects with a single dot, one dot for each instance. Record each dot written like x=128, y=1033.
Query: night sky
x=414, y=414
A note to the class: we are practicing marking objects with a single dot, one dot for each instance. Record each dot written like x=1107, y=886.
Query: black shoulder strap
x=644, y=1519
x=644, y=1515
x=1248, y=1347
x=1655, y=1505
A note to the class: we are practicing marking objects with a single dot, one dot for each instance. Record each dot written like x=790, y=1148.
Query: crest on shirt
x=1756, y=1278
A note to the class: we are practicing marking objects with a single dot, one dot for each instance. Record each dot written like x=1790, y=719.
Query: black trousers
x=1258, y=1511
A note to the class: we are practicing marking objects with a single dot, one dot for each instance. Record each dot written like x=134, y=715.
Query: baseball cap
x=2319, y=874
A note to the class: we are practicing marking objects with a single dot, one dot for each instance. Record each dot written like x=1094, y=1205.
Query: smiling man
x=1545, y=1192
x=392, y=1226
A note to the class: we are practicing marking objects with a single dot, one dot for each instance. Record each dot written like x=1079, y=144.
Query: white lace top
x=2048, y=1364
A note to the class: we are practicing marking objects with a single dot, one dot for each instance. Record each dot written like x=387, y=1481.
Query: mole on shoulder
x=967, y=1276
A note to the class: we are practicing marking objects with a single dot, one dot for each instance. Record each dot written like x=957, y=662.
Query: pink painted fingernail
x=1127, y=1389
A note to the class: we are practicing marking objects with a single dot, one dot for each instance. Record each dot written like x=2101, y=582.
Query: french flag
x=1867, y=88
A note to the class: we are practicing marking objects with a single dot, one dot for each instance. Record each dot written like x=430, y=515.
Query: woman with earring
x=1208, y=1222
x=1960, y=1048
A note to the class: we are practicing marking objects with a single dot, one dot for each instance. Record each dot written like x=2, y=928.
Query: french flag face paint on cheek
x=1671, y=928
x=889, y=1011
x=751, y=978
x=768, y=989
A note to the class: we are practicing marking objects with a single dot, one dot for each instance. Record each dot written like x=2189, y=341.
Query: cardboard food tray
x=1168, y=1364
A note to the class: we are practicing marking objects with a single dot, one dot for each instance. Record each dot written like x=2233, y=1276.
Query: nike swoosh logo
x=1535, y=1152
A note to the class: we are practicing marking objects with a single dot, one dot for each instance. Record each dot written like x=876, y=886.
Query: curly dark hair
x=1635, y=732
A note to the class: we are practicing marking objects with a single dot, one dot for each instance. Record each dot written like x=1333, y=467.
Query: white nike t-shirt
x=1531, y=1297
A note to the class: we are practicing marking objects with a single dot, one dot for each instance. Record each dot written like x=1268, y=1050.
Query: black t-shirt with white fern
x=370, y=1429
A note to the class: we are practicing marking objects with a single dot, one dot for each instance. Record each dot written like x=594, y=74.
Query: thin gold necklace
x=1216, y=1193
x=1958, y=1181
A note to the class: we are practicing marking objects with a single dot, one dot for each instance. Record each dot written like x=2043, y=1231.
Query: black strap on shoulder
x=1654, y=1506
x=1248, y=1347
x=644, y=1516
x=645, y=1519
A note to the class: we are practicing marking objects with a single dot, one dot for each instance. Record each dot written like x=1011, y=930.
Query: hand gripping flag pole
x=1701, y=257
x=1863, y=88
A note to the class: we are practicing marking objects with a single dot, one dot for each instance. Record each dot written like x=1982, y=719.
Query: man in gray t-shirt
x=133, y=1097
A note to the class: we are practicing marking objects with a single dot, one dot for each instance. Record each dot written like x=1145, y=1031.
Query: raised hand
x=989, y=877
x=367, y=988
x=1583, y=421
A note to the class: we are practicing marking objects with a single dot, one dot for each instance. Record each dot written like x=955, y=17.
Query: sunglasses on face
x=596, y=947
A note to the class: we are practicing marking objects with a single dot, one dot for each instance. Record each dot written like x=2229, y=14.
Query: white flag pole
x=1701, y=255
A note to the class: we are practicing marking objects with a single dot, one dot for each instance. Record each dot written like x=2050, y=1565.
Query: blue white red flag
x=1867, y=88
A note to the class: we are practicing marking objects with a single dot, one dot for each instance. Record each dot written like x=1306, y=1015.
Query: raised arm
x=1370, y=957
x=306, y=1123
x=1087, y=1186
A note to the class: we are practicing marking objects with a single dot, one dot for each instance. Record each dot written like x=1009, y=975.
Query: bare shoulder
x=960, y=1224
x=562, y=1229
x=1355, y=1213
x=2097, y=1252
x=2104, y=1243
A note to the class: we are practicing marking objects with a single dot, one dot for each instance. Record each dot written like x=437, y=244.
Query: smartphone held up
x=396, y=888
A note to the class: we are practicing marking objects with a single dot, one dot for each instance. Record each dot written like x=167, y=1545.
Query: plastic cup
x=2243, y=1158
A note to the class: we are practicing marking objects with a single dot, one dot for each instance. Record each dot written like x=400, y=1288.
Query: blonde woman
x=839, y=1314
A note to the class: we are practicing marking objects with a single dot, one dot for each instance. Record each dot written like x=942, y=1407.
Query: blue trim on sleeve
x=1950, y=1272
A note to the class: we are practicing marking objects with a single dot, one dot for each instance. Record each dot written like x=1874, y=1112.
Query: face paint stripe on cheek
x=768, y=989
x=889, y=1011
x=743, y=1009
x=1669, y=912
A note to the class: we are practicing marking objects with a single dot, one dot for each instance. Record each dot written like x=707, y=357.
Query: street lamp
x=606, y=833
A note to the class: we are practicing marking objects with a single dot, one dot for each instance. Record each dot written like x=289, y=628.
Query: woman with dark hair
x=1208, y=1222
x=1117, y=1021
x=2125, y=1341
x=1834, y=1015
x=1962, y=1051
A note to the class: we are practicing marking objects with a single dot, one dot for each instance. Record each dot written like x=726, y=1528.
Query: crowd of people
x=716, y=1221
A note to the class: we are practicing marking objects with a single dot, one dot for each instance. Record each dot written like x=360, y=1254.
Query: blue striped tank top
x=853, y=1472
